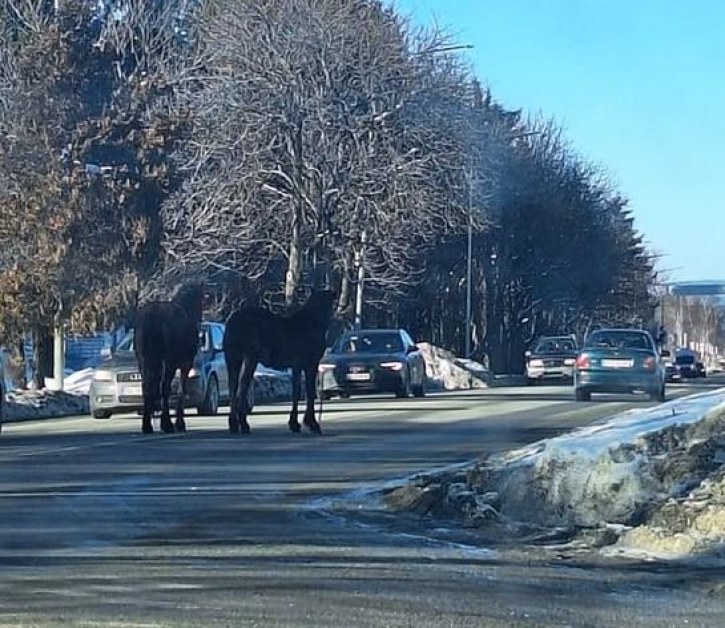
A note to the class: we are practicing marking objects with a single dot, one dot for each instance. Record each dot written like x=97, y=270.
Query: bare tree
x=315, y=140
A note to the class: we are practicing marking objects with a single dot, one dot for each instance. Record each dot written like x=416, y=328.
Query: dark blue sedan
x=373, y=361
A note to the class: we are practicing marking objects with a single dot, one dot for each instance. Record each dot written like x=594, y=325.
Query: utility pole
x=360, y=261
x=58, y=349
x=469, y=264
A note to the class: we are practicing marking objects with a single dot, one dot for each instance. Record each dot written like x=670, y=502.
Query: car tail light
x=650, y=363
x=583, y=361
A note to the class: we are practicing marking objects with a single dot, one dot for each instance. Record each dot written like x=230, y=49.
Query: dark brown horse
x=166, y=338
x=254, y=335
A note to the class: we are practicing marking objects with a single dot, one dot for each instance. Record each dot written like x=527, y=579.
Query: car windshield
x=684, y=359
x=126, y=345
x=618, y=340
x=370, y=343
x=555, y=345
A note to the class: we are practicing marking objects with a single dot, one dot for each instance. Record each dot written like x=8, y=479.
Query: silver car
x=116, y=386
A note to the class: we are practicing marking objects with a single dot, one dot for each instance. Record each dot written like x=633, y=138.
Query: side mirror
x=665, y=353
x=106, y=352
x=412, y=349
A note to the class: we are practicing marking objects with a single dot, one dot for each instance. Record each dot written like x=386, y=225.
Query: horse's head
x=320, y=305
x=191, y=298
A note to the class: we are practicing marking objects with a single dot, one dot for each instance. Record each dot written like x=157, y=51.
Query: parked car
x=619, y=361
x=686, y=363
x=552, y=357
x=116, y=385
x=373, y=361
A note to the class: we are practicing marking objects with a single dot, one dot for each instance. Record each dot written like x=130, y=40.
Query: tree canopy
x=271, y=146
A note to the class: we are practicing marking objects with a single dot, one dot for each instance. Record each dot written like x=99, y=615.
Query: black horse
x=166, y=338
x=296, y=341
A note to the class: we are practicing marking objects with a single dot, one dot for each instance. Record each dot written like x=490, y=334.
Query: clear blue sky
x=639, y=87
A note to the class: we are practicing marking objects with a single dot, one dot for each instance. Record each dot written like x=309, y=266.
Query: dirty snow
x=449, y=372
x=647, y=480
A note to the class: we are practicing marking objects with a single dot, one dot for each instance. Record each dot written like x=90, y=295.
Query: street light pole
x=469, y=263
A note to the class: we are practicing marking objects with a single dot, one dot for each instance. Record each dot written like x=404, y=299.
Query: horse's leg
x=150, y=390
x=183, y=379
x=246, y=373
x=294, y=423
x=233, y=373
x=168, y=375
x=311, y=389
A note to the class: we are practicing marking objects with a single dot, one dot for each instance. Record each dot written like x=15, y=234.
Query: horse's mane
x=190, y=298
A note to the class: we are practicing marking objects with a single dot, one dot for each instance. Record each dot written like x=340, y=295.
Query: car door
x=220, y=365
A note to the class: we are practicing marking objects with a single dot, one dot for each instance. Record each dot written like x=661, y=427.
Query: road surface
x=101, y=525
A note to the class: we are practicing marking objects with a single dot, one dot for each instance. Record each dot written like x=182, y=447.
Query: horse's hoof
x=147, y=429
x=244, y=429
x=181, y=427
x=314, y=428
x=294, y=427
x=167, y=428
x=233, y=428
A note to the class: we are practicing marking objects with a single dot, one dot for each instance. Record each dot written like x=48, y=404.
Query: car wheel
x=582, y=394
x=210, y=407
x=404, y=391
x=101, y=414
x=251, y=400
x=419, y=391
x=658, y=395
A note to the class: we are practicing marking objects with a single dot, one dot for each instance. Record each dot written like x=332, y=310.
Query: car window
x=370, y=343
x=684, y=359
x=217, y=337
x=618, y=340
x=126, y=344
x=407, y=339
x=553, y=345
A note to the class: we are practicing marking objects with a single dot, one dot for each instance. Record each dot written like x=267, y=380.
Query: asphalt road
x=103, y=526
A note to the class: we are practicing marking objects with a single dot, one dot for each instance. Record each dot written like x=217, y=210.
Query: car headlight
x=103, y=376
x=194, y=372
x=393, y=366
x=536, y=363
x=569, y=362
x=321, y=368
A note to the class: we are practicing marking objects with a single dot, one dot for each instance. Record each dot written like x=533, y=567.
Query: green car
x=619, y=361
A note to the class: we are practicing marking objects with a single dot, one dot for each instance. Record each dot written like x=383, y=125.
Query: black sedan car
x=686, y=364
x=373, y=361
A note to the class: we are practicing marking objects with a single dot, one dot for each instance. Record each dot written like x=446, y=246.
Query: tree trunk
x=23, y=383
x=43, y=355
x=293, y=267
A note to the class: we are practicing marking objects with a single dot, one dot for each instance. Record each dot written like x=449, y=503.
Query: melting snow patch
x=615, y=477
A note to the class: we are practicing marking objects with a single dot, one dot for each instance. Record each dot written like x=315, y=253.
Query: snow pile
x=79, y=382
x=693, y=524
x=23, y=405
x=270, y=385
x=613, y=475
x=447, y=371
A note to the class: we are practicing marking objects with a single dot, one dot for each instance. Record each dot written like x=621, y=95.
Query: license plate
x=617, y=364
x=132, y=390
x=358, y=377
